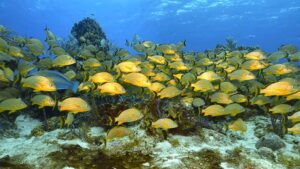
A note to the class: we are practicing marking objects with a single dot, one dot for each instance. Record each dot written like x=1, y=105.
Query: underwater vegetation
x=162, y=87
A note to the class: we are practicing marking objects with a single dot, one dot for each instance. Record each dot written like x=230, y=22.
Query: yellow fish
x=118, y=132
x=86, y=86
x=148, y=44
x=281, y=109
x=129, y=115
x=205, y=62
x=3, y=45
x=210, y=75
x=74, y=105
x=295, y=117
x=91, y=63
x=252, y=65
x=234, y=109
x=12, y=105
x=70, y=74
x=157, y=59
x=278, y=69
x=35, y=49
x=69, y=120
x=24, y=67
x=39, y=83
x=295, y=96
x=101, y=77
x=3, y=77
x=43, y=101
x=178, y=75
x=169, y=92
x=137, y=79
x=214, y=110
x=157, y=87
x=161, y=77
x=179, y=65
x=112, y=88
x=58, y=51
x=238, y=125
x=284, y=87
x=203, y=86
x=295, y=129
x=221, y=98
x=167, y=49
x=241, y=75
x=128, y=67
x=239, y=98
x=165, y=124
x=63, y=60
x=255, y=55
x=295, y=57
x=228, y=87
x=35, y=46
x=15, y=52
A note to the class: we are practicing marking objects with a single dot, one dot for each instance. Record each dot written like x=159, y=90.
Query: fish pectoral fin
x=12, y=111
x=61, y=122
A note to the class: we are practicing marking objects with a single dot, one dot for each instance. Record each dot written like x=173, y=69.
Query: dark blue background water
x=203, y=23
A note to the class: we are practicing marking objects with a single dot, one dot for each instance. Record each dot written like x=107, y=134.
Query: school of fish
x=219, y=83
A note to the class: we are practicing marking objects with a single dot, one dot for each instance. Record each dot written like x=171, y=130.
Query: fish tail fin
x=119, y=122
x=21, y=79
x=290, y=129
x=226, y=127
x=32, y=72
x=16, y=80
x=2, y=65
x=184, y=43
x=127, y=43
x=75, y=86
x=119, y=74
x=89, y=78
x=12, y=111
x=55, y=102
x=155, y=46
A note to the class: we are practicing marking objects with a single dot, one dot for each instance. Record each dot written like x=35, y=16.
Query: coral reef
x=88, y=32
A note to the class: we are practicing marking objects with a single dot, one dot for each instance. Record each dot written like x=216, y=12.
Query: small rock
x=297, y=148
x=271, y=140
x=266, y=153
x=146, y=164
x=259, y=132
x=173, y=164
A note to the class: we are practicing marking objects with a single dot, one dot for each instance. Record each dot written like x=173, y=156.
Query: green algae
x=288, y=161
x=10, y=163
x=77, y=157
x=205, y=159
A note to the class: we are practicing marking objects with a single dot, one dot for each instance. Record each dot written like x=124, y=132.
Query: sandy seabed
x=208, y=150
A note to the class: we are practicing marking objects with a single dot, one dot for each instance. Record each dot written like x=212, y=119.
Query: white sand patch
x=96, y=132
x=164, y=153
x=33, y=150
x=225, y=165
x=74, y=142
x=25, y=124
x=68, y=167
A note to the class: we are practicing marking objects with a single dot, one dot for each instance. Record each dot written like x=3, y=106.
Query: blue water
x=202, y=23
